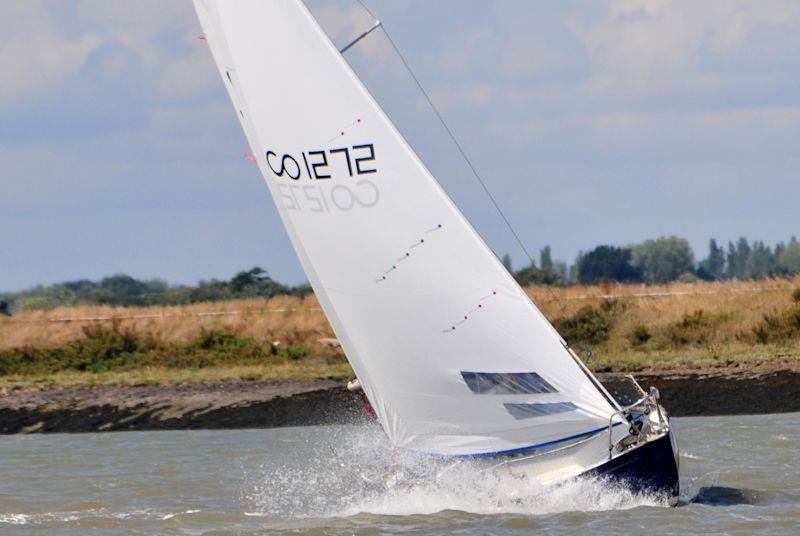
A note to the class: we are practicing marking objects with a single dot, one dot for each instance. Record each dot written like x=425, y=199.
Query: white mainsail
x=453, y=356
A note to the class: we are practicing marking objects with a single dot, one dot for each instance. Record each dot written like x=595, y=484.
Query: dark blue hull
x=651, y=468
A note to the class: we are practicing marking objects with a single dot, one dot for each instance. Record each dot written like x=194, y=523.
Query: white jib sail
x=453, y=356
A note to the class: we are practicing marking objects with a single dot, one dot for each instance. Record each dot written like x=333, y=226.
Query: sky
x=604, y=122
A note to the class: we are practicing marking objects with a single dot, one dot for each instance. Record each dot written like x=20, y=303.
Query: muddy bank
x=245, y=404
x=698, y=395
x=208, y=405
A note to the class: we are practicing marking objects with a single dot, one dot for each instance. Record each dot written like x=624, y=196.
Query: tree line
x=124, y=290
x=665, y=260
x=662, y=260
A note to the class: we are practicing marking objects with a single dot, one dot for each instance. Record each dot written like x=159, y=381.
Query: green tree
x=788, y=264
x=780, y=247
x=760, y=262
x=532, y=275
x=606, y=263
x=507, y=263
x=122, y=285
x=249, y=278
x=738, y=257
x=743, y=251
x=562, y=270
x=730, y=262
x=664, y=259
x=255, y=283
x=546, y=259
x=712, y=268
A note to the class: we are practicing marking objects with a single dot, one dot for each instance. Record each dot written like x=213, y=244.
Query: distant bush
x=106, y=348
x=101, y=349
x=24, y=360
x=221, y=340
x=613, y=306
x=693, y=329
x=779, y=327
x=217, y=347
x=639, y=336
x=295, y=352
x=688, y=277
x=796, y=295
x=588, y=325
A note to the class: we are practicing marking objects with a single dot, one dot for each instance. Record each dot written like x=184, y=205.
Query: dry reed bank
x=615, y=327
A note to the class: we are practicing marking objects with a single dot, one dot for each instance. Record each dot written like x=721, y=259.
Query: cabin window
x=506, y=383
x=526, y=411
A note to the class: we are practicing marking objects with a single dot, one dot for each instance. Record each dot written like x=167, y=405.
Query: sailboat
x=454, y=357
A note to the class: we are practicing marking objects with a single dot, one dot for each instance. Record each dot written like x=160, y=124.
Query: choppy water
x=740, y=475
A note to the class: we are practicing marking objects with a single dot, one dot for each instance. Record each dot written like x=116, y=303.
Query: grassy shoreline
x=615, y=327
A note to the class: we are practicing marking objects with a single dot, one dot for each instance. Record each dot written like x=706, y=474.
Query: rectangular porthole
x=526, y=411
x=506, y=383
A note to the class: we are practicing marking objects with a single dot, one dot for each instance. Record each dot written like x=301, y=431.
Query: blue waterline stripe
x=534, y=447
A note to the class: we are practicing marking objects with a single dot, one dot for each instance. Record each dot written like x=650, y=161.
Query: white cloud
x=136, y=26
x=188, y=74
x=35, y=53
x=637, y=45
x=736, y=133
x=471, y=96
x=45, y=43
x=500, y=42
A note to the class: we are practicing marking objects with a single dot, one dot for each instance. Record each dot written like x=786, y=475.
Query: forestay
x=452, y=354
